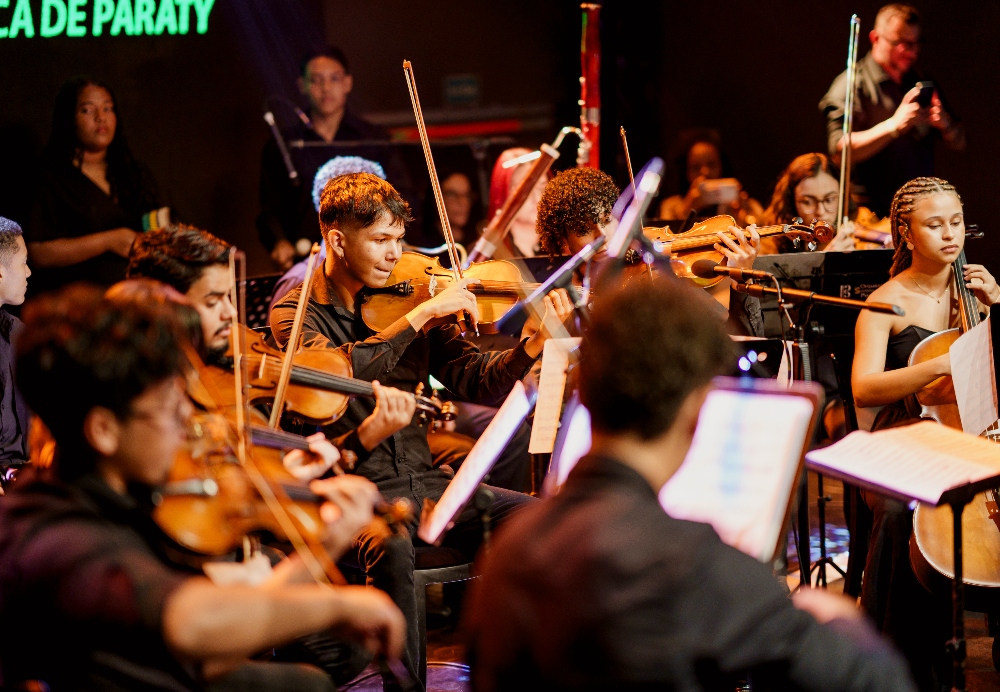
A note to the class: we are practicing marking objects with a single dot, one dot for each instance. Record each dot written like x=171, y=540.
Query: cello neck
x=969, y=306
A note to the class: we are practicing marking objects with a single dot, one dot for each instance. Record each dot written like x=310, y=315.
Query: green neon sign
x=75, y=18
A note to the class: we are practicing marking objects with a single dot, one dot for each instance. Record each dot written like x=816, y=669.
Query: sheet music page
x=974, y=378
x=551, y=385
x=477, y=464
x=739, y=473
x=920, y=461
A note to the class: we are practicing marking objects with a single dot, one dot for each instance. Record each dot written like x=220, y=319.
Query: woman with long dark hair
x=92, y=196
x=807, y=189
x=928, y=232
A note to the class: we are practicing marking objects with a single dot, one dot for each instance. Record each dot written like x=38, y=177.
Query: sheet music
x=920, y=461
x=477, y=464
x=739, y=473
x=974, y=378
x=551, y=385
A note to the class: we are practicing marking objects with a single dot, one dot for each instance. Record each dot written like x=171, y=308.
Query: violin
x=209, y=502
x=320, y=384
x=417, y=278
x=699, y=242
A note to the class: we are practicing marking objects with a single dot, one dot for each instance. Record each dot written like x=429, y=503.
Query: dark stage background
x=191, y=105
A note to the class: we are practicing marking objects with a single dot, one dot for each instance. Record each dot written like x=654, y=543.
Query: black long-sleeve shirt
x=14, y=418
x=287, y=211
x=400, y=357
x=598, y=588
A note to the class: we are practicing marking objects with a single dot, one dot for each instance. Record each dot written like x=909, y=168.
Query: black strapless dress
x=918, y=622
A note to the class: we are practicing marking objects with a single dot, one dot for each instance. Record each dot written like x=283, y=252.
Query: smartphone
x=719, y=191
x=926, y=92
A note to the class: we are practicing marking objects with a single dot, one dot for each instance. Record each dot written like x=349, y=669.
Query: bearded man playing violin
x=362, y=219
x=81, y=569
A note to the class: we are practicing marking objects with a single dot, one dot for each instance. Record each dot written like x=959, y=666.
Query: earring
x=909, y=245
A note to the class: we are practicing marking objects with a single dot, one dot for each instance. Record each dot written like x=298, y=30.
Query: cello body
x=937, y=399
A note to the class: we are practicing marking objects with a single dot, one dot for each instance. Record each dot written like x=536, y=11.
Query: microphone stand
x=801, y=368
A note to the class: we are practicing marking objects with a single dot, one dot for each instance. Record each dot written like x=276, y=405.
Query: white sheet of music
x=974, y=378
x=551, y=385
x=739, y=472
x=477, y=464
x=920, y=461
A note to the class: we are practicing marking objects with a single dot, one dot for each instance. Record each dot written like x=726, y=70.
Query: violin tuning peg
x=348, y=459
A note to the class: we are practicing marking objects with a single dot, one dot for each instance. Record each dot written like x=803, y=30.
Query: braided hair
x=902, y=207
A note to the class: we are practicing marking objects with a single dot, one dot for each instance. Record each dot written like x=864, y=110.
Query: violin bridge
x=432, y=285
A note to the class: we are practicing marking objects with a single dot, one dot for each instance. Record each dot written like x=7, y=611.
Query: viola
x=320, y=385
x=699, y=242
x=417, y=278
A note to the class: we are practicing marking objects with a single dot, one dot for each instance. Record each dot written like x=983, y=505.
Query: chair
x=434, y=565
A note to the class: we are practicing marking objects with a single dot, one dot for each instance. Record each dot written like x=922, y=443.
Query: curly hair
x=10, y=231
x=635, y=380
x=360, y=199
x=573, y=202
x=79, y=351
x=903, y=204
x=176, y=255
x=782, y=207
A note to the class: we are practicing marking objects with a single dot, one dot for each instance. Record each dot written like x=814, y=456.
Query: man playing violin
x=196, y=264
x=362, y=218
x=80, y=564
x=575, y=210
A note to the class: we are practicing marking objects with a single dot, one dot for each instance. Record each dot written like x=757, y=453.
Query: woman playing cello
x=928, y=232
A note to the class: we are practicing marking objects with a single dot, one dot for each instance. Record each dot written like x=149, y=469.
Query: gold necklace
x=924, y=291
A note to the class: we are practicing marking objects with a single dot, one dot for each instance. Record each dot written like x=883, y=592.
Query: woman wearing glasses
x=807, y=189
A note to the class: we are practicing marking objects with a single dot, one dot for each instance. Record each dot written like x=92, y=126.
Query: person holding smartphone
x=898, y=118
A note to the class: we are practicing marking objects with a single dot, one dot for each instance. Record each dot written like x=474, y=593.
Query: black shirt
x=909, y=156
x=400, y=357
x=68, y=204
x=287, y=210
x=598, y=588
x=14, y=418
x=81, y=590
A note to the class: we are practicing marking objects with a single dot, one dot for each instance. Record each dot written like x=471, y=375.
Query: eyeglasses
x=808, y=204
x=908, y=45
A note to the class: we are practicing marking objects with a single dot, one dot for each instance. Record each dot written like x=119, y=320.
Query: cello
x=931, y=544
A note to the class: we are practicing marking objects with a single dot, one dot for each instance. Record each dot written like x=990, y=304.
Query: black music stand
x=957, y=498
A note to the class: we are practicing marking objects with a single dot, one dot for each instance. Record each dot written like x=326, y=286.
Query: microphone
x=707, y=269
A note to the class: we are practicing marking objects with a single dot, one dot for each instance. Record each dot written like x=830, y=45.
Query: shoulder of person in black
x=67, y=204
x=81, y=590
x=635, y=597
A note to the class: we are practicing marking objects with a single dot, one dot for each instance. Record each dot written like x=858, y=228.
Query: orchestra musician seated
x=698, y=159
x=807, y=189
x=88, y=600
x=362, y=218
x=598, y=588
x=15, y=418
x=928, y=231
x=575, y=210
x=522, y=240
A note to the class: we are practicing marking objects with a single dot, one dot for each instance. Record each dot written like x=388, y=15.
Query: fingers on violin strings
x=729, y=242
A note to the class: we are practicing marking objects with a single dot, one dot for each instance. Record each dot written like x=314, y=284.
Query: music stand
x=733, y=479
x=437, y=518
x=957, y=496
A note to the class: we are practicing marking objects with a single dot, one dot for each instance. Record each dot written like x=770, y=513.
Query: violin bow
x=411, y=85
x=628, y=159
x=313, y=555
x=292, y=346
x=844, y=192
